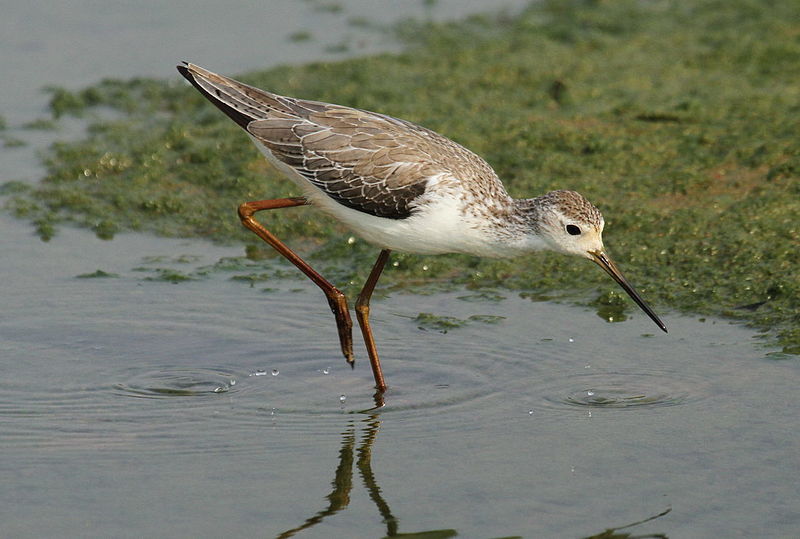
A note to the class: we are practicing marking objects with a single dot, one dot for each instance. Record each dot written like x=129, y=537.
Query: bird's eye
x=573, y=230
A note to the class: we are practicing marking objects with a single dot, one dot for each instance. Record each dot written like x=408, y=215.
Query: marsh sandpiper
x=401, y=187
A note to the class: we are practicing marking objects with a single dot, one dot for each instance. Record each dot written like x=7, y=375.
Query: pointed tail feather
x=237, y=100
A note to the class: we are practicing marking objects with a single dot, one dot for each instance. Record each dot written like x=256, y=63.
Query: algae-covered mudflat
x=679, y=120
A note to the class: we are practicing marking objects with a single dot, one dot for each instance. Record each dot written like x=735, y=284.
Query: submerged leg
x=362, y=313
x=336, y=300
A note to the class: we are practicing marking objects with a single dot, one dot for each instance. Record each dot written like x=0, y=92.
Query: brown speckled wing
x=372, y=163
x=361, y=160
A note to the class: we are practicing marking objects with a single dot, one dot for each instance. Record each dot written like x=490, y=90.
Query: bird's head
x=570, y=224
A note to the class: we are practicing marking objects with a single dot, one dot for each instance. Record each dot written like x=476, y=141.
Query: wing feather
x=366, y=161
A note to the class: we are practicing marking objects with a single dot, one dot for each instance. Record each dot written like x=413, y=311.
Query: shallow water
x=131, y=407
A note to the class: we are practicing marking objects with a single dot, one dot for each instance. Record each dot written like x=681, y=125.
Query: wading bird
x=399, y=186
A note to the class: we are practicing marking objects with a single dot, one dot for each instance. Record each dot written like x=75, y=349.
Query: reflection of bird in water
x=611, y=533
x=401, y=187
x=339, y=498
x=342, y=483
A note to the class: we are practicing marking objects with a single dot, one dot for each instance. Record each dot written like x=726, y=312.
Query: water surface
x=128, y=402
x=133, y=407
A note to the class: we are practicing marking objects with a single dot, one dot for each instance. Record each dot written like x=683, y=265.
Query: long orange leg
x=336, y=299
x=362, y=313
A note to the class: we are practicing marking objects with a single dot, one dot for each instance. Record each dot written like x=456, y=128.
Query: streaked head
x=570, y=224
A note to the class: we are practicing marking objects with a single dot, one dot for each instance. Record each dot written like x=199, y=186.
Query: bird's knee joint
x=245, y=211
x=337, y=302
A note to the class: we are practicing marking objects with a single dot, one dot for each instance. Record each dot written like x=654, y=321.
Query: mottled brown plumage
x=366, y=161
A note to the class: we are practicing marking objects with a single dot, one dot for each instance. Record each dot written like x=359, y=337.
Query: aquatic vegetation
x=678, y=120
x=443, y=324
x=12, y=142
x=301, y=35
x=98, y=274
x=42, y=124
x=168, y=275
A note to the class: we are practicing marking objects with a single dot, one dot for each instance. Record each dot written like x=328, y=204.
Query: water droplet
x=326, y=370
x=275, y=372
x=342, y=398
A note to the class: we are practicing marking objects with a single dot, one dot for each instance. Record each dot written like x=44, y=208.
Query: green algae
x=444, y=324
x=483, y=296
x=679, y=120
x=300, y=36
x=98, y=274
x=42, y=124
x=611, y=306
x=439, y=323
x=12, y=142
x=167, y=275
x=14, y=187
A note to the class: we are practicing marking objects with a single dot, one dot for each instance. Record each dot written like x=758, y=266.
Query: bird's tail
x=241, y=102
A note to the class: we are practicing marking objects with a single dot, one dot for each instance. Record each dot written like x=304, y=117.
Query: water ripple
x=623, y=390
x=178, y=382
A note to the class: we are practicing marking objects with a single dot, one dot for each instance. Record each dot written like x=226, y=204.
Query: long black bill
x=604, y=262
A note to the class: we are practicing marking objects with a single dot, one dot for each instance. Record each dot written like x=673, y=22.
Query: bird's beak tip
x=601, y=259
